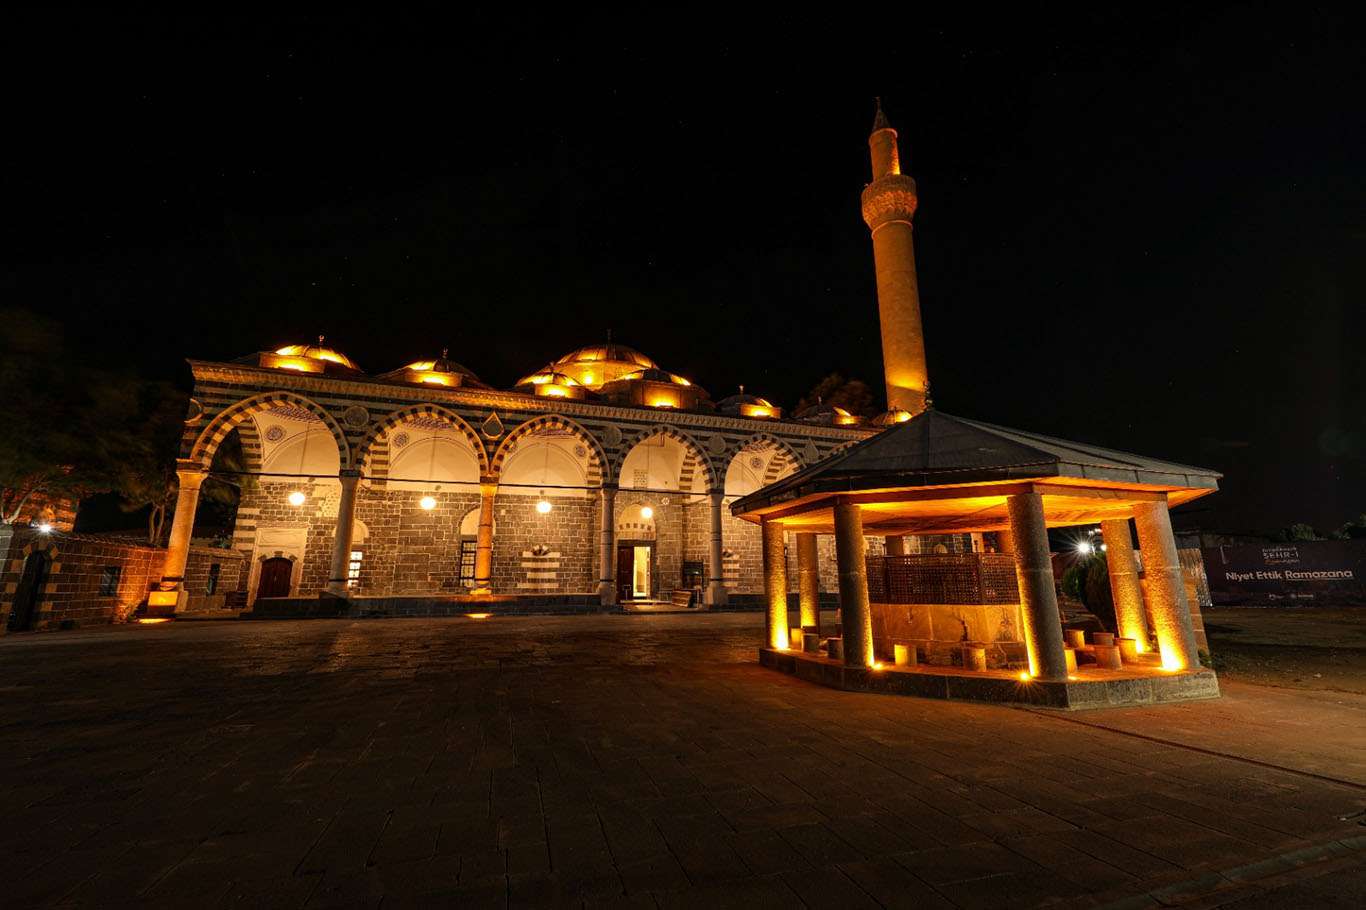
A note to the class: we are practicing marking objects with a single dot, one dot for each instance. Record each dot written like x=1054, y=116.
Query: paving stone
x=534, y=760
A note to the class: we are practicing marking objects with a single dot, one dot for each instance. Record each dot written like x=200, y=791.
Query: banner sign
x=1307, y=573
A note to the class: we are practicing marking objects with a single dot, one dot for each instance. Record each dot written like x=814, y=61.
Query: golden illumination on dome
x=892, y=417
x=596, y=365
x=295, y=356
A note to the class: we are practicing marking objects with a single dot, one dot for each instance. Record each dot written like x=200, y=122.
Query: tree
x=1352, y=530
x=1297, y=532
x=59, y=418
x=145, y=470
x=853, y=395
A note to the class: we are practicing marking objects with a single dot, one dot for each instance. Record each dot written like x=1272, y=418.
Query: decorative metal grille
x=958, y=578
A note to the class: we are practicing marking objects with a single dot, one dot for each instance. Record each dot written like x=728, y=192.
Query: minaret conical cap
x=879, y=118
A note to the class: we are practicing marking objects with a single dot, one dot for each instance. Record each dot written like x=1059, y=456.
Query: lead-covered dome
x=596, y=365
x=307, y=358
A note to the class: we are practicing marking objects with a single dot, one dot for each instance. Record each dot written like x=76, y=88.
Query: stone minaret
x=888, y=207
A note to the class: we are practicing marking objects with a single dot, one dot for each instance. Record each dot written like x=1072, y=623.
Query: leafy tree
x=145, y=470
x=853, y=395
x=1296, y=532
x=1352, y=530
x=1099, y=599
x=62, y=421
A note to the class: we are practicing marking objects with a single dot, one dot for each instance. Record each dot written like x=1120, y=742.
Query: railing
x=956, y=578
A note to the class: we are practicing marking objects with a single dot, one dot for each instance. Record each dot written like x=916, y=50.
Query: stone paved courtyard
x=635, y=761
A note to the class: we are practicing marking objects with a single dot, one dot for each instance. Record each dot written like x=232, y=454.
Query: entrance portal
x=635, y=562
x=30, y=592
x=276, y=573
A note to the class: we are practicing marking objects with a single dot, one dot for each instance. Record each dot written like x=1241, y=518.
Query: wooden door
x=29, y=593
x=625, y=566
x=276, y=573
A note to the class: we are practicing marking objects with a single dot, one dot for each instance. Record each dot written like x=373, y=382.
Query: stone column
x=716, y=576
x=346, y=526
x=191, y=475
x=607, y=547
x=853, y=568
x=896, y=546
x=809, y=582
x=483, y=544
x=1166, y=592
x=775, y=584
x=1124, y=586
x=1038, y=599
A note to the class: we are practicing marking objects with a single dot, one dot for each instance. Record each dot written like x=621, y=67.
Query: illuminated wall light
x=296, y=498
x=1024, y=676
x=44, y=528
x=543, y=506
x=647, y=513
x=1084, y=547
x=428, y=503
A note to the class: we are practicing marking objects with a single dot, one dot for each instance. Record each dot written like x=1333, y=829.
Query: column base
x=715, y=595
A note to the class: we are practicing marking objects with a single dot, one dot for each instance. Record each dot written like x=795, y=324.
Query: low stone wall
x=939, y=631
x=94, y=580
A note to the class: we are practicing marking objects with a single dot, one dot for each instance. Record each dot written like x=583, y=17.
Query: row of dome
x=612, y=373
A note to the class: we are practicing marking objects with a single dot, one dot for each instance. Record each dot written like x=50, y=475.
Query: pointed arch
x=697, y=456
x=204, y=446
x=374, y=448
x=598, y=464
x=781, y=444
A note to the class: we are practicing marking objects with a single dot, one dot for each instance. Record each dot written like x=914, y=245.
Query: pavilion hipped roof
x=938, y=473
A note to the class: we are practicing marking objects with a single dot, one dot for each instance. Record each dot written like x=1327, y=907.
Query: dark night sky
x=1147, y=232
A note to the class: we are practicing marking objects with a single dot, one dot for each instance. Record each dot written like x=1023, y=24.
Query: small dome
x=747, y=405
x=619, y=353
x=442, y=364
x=828, y=414
x=655, y=375
x=892, y=417
x=317, y=352
x=596, y=365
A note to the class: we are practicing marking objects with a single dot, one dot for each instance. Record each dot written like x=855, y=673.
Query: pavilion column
x=855, y=614
x=896, y=546
x=1038, y=599
x=809, y=582
x=1124, y=586
x=716, y=579
x=607, y=547
x=483, y=543
x=346, y=527
x=775, y=584
x=191, y=475
x=1166, y=591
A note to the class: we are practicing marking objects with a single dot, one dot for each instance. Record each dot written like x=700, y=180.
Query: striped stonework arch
x=373, y=452
x=250, y=435
x=786, y=457
x=202, y=447
x=597, y=458
x=696, y=459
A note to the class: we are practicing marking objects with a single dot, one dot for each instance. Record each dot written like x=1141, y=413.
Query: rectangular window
x=353, y=569
x=212, y=586
x=468, y=546
x=109, y=580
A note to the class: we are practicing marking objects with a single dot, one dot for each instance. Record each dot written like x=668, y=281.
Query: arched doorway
x=276, y=574
x=30, y=591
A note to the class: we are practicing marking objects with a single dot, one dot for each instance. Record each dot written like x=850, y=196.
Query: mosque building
x=599, y=478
